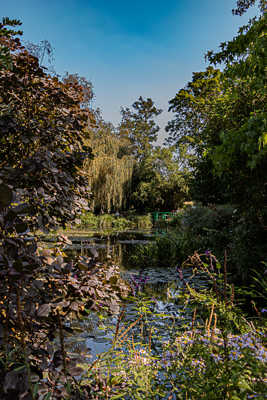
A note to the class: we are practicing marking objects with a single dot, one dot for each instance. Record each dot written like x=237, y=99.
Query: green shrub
x=122, y=223
x=142, y=221
x=216, y=229
x=105, y=221
x=88, y=220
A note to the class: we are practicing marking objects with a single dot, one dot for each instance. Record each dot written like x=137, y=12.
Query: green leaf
x=35, y=390
x=118, y=396
x=21, y=368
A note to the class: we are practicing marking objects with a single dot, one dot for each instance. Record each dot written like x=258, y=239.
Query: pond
x=160, y=289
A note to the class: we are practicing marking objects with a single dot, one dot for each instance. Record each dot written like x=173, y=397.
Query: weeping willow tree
x=110, y=172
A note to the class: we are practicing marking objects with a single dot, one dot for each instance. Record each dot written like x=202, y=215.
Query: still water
x=161, y=286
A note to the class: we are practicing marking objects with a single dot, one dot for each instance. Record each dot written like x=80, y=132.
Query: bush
x=90, y=220
x=213, y=228
x=142, y=221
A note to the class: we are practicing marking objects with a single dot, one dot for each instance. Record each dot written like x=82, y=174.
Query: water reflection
x=160, y=293
x=117, y=246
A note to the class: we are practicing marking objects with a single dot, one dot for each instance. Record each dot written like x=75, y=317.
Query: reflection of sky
x=162, y=288
x=128, y=49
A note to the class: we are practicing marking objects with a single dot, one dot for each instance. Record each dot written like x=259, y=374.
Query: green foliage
x=110, y=221
x=191, y=106
x=89, y=220
x=221, y=117
x=200, y=228
x=139, y=127
x=7, y=41
x=127, y=171
x=189, y=133
x=165, y=251
x=159, y=181
x=244, y=128
x=218, y=354
x=129, y=221
x=141, y=221
x=110, y=171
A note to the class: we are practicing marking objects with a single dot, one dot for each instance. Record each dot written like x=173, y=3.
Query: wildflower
x=216, y=357
x=235, y=355
x=261, y=355
x=198, y=365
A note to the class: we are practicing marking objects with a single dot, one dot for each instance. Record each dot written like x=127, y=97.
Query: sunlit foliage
x=110, y=172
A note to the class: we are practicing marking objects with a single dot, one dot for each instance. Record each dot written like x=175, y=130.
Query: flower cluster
x=238, y=346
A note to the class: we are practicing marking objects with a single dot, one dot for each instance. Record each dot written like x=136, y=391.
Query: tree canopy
x=110, y=171
x=139, y=127
x=8, y=40
x=42, y=141
x=221, y=115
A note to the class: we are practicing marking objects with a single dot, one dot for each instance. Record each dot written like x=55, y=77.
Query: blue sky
x=129, y=48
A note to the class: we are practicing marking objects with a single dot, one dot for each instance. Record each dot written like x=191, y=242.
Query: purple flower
x=207, y=253
x=263, y=310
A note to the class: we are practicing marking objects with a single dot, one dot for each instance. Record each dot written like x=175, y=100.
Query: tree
x=243, y=5
x=225, y=127
x=139, y=127
x=42, y=147
x=159, y=182
x=110, y=171
x=241, y=115
x=192, y=133
x=7, y=41
x=87, y=88
x=192, y=105
x=227, y=135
